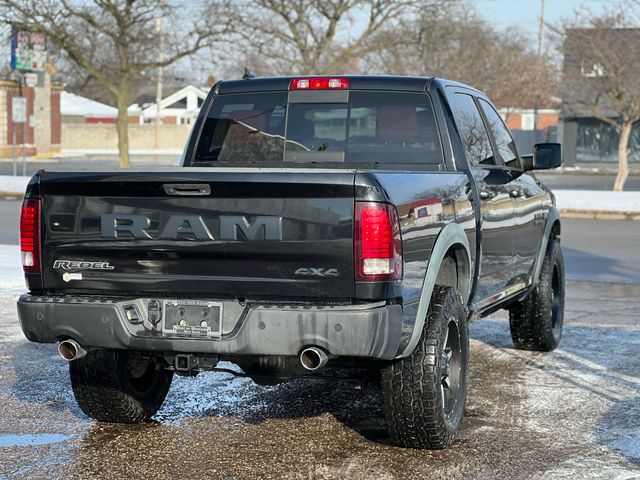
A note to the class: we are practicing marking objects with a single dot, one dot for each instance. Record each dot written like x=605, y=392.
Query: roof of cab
x=356, y=82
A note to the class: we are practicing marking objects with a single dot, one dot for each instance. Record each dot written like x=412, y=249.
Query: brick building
x=589, y=54
x=42, y=132
x=521, y=123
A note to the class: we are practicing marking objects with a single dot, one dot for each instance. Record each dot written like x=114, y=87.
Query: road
x=90, y=162
x=567, y=180
x=586, y=181
x=601, y=250
x=10, y=221
x=594, y=250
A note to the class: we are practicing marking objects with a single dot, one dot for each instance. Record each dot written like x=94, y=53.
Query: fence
x=526, y=139
x=104, y=136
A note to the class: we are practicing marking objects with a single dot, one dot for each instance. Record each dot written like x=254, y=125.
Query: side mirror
x=545, y=156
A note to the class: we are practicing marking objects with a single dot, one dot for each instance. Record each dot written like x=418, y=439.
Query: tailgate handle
x=187, y=189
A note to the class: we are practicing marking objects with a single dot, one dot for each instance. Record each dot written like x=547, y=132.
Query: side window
x=506, y=146
x=474, y=136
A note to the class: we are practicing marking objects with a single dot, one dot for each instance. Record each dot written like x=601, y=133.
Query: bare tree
x=601, y=71
x=78, y=81
x=451, y=40
x=114, y=41
x=315, y=36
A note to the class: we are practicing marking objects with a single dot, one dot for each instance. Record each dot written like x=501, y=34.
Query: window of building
x=597, y=141
x=527, y=120
x=592, y=69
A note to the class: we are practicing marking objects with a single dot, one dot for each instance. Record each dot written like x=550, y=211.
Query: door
x=527, y=195
x=497, y=238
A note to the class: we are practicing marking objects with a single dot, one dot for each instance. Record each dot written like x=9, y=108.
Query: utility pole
x=538, y=71
x=160, y=31
x=24, y=128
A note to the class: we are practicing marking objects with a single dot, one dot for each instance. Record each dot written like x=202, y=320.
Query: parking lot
x=572, y=413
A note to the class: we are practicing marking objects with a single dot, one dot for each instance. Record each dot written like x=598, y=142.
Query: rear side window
x=390, y=128
x=474, y=136
x=504, y=142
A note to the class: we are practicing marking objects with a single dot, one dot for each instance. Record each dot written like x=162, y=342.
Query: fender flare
x=451, y=235
x=552, y=217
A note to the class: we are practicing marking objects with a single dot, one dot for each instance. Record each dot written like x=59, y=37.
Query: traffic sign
x=28, y=51
x=31, y=79
x=19, y=109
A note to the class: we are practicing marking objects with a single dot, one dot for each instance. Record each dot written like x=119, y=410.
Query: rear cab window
x=390, y=129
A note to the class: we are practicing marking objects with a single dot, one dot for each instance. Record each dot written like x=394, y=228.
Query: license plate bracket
x=192, y=318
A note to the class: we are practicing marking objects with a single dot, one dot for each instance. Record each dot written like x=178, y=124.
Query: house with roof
x=78, y=109
x=180, y=107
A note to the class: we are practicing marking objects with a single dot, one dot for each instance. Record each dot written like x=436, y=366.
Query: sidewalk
x=11, y=186
x=70, y=155
x=594, y=204
x=598, y=204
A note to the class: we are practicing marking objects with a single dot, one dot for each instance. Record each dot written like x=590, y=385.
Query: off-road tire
x=536, y=321
x=114, y=386
x=416, y=412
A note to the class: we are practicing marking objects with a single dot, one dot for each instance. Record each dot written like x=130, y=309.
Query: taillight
x=319, y=83
x=30, y=236
x=378, y=247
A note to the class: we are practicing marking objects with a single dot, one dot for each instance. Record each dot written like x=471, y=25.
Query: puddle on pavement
x=31, y=439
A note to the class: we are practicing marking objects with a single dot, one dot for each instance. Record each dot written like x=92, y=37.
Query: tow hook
x=190, y=365
x=186, y=364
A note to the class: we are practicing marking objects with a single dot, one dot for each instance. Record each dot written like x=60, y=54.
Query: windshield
x=372, y=127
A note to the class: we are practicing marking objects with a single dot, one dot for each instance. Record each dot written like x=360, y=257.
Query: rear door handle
x=187, y=189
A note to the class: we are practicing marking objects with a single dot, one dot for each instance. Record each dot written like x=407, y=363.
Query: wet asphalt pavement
x=572, y=413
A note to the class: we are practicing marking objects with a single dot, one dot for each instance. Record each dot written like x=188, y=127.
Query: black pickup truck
x=351, y=221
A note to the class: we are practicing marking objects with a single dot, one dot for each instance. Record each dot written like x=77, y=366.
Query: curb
x=598, y=215
x=11, y=196
x=586, y=171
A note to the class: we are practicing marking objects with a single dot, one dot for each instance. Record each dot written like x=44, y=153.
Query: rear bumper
x=370, y=330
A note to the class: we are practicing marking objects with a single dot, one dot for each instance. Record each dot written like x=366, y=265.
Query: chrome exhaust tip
x=313, y=358
x=71, y=350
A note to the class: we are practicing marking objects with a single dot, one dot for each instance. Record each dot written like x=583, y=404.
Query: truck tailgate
x=202, y=232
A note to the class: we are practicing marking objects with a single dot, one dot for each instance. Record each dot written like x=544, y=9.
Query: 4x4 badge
x=317, y=272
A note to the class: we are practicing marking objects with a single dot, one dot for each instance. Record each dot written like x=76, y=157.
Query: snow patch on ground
x=587, y=391
x=211, y=394
x=589, y=468
x=597, y=200
x=11, y=276
x=13, y=185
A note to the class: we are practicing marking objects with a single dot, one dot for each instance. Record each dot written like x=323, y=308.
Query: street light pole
x=538, y=71
x=159, y=30
x=24, y=128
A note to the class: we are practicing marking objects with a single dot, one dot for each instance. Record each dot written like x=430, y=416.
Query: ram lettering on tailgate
x=262, y=227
